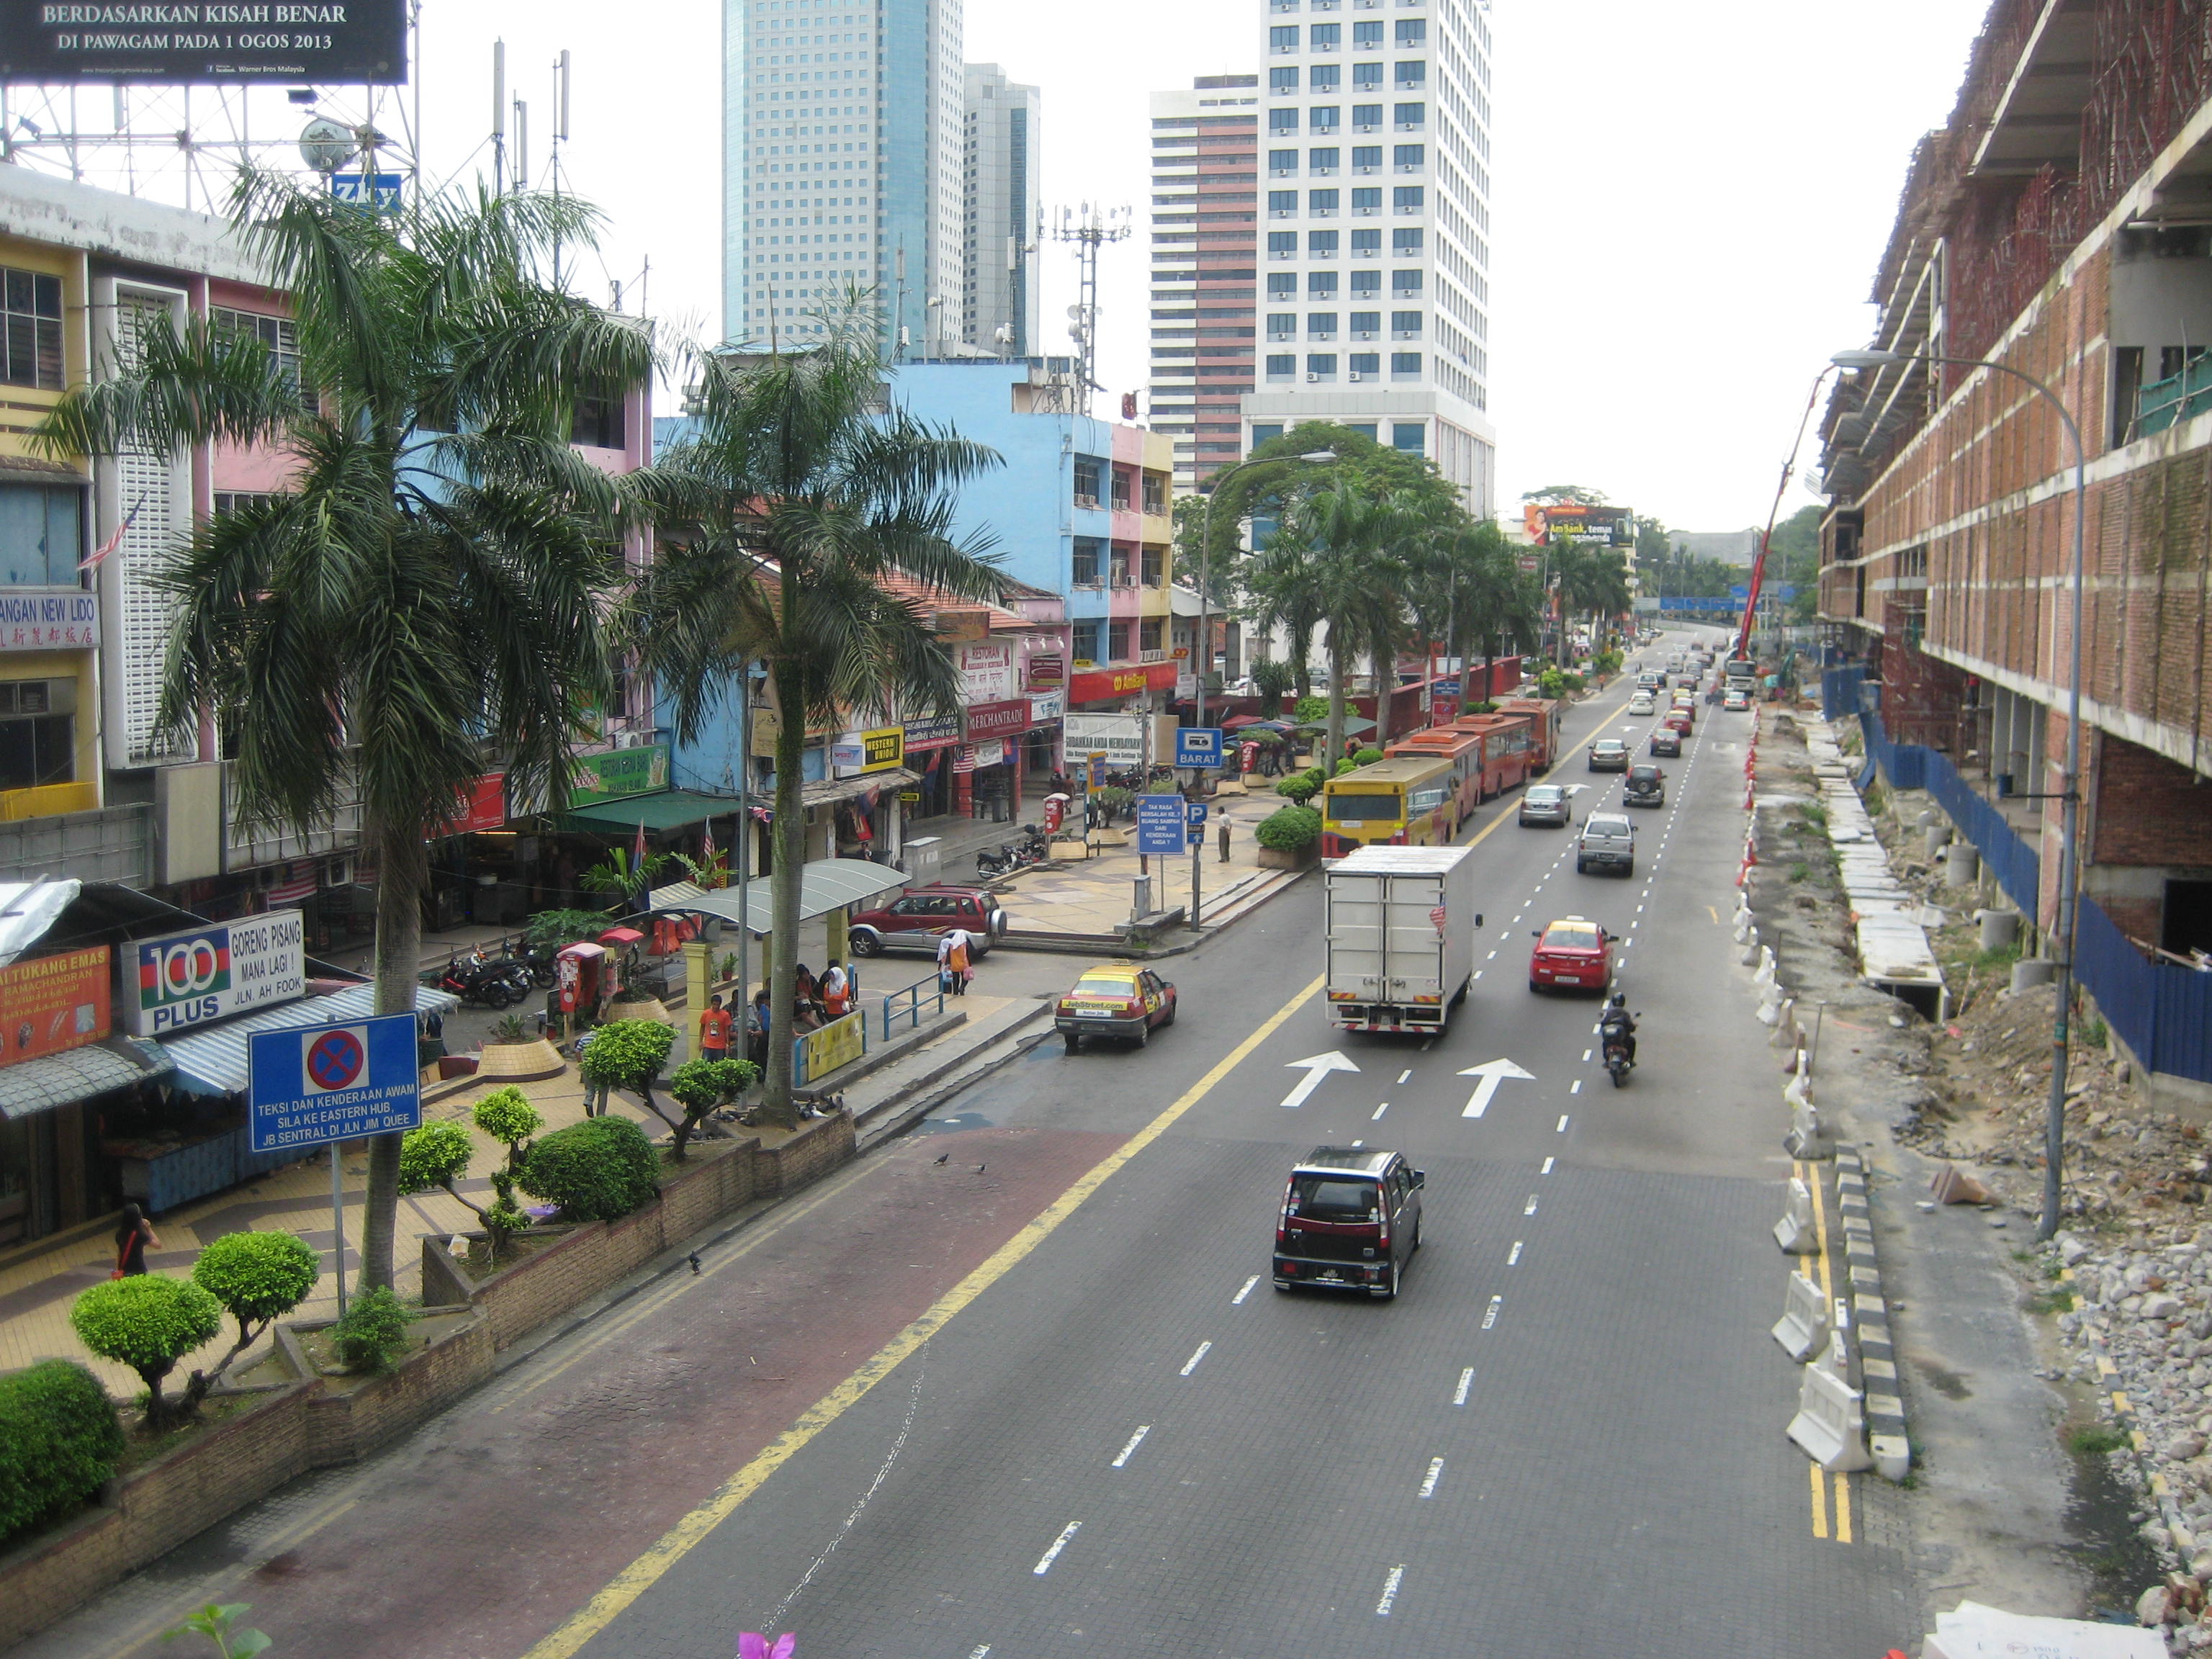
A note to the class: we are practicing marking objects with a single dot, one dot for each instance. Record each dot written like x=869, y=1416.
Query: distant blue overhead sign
x=309, y=1085
x=1160, y=825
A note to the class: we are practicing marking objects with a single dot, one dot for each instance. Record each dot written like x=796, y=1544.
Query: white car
x=1736, y=701
x=1642, y=703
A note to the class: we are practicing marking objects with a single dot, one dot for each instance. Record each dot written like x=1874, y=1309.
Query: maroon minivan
x=1350, y=1221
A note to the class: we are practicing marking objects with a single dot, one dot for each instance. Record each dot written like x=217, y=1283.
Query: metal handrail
x=912, y=996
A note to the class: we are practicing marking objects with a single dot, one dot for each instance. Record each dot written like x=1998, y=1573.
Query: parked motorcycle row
x=1031, y=848
x=482, y=981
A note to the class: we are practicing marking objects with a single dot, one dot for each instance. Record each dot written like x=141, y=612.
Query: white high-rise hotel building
x=1374, y=228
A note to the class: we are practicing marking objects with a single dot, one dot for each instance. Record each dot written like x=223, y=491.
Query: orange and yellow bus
x=1463, y=750
x=1402, y=801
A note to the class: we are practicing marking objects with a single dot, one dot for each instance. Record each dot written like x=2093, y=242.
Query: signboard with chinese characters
x=48, y=619
x=226, y=968
x=614, y=772
x=359, y=42
x=986, y=672
x=53, y=1004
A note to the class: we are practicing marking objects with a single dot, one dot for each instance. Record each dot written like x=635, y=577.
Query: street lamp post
x=1206, y=571
x=2054, y=1130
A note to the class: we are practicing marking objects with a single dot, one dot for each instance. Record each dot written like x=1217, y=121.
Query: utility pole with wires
x=1090, y=228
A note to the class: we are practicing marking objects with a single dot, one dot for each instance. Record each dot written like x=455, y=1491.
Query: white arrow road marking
x=1492, y=1073
x=1317, y=1066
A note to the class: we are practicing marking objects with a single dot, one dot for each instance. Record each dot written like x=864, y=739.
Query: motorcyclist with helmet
x=1618, y=1025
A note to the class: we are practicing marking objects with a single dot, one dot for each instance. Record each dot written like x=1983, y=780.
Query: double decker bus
x=1462, y=749
x=1404, y=800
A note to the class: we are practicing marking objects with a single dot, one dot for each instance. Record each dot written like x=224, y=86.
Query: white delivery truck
x=1400, y=925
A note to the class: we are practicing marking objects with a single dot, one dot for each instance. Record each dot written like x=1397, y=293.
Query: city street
x=1018, y=1385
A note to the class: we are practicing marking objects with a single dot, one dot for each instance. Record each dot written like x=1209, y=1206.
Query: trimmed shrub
x=700, y=1085
x=258, y=1277
x=1366, y=757
x=1289, y=829
x=1297, y=789
x=1344, y=765
x=59, y=1441
x=148, y=1322
x=373, y=1330
x=599, y=1169
x=507, y=1116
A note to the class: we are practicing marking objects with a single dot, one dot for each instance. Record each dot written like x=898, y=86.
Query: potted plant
x=515, y=1051
x=1289, y=838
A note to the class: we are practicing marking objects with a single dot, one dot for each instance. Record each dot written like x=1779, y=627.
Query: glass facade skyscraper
x=842, y=143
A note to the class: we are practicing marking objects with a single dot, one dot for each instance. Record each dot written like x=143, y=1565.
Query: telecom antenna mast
x=1088, y=227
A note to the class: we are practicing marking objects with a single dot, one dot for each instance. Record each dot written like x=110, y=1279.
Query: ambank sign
x=223, y=969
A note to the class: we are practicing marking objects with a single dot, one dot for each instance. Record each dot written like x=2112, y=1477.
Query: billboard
x=218, y=42
x=210, y=973
x=1574, y=521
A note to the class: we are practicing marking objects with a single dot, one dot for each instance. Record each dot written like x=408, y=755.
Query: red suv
x=1350, y=1221
x=921, y=916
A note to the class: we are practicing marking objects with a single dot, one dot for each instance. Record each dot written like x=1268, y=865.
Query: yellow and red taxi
x=1574, y=951
x=1115, y=999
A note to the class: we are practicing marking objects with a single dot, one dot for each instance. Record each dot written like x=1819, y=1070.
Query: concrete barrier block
x=1806, y=1139
x=1794, y=1233
x=1835, y=1356
x=1798, y=1091
x=1803, y=1326
x=1893, y=1455
x=1830, y=1426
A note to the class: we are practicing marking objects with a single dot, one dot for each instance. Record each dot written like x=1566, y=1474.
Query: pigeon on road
x=941, y=1157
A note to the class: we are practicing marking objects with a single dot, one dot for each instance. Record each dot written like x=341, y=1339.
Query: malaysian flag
x=98, y=554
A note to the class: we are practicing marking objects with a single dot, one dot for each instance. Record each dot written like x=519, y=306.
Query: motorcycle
x=1614, y=1038
x=1003, y=862
x=474, y=985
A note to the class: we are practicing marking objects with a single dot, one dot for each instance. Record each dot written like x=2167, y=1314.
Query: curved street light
x=2054, y=1132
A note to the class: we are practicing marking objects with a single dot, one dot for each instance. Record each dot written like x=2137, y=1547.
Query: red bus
x=1545, y=717
x=1505, y=748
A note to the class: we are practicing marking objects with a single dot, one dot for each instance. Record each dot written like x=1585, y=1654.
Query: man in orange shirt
x=714, y=1031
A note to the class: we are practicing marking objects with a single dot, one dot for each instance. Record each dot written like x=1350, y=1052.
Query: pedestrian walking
x=134, y=1235
x=714, y=1030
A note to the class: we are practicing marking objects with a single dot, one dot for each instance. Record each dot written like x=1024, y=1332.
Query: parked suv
x=1350, y=1221
x=1607, y=843
x=922, y=916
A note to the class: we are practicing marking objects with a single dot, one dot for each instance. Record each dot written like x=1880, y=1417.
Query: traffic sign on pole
x=1096, y=777
x=310, y=1086
x=1160, y=825
x=1198, y=746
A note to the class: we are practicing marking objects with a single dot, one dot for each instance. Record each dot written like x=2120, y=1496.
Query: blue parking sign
x=1198, y=746
x=309, y=1085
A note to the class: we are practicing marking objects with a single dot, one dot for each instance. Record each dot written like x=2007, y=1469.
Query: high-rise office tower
x=1205, y=268
x=842, y=163
x=1374, y=164
x=1003, y=203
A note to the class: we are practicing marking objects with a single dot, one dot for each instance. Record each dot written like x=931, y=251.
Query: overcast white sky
x=1690, y=198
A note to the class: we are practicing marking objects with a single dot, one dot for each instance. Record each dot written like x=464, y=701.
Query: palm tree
x=428, y=591
x=1339, y=561
x=1470, y=591
x=1592, y=580
x=796, y=494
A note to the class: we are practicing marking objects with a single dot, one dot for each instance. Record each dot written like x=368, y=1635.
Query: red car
x=921, y=916
x=1572, y=952
x=1678, y=719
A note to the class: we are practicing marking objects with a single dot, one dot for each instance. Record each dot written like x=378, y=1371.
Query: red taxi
x=1572, y=952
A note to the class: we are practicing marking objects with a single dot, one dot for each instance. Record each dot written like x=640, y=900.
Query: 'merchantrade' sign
x=54, y=42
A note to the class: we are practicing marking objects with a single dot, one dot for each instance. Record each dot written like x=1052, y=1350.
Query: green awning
x=1354, y=726
x=668, y=809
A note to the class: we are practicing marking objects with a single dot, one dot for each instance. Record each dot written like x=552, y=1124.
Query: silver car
x=1546, y=803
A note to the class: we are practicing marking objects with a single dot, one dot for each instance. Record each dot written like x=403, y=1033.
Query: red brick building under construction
x=2060, y=223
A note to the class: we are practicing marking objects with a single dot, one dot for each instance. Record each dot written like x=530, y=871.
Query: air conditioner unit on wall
x=338, y=873
x=1355, y=375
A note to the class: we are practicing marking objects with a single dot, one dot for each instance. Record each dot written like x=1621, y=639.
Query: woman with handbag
x=134, y=1234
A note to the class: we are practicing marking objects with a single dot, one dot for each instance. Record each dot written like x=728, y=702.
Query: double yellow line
x=1811, y=1177
x=680, y=1539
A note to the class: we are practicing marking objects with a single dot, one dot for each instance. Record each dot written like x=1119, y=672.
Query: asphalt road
x=1040, y=1399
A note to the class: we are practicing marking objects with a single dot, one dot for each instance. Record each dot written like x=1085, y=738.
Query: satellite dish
x=326, y=146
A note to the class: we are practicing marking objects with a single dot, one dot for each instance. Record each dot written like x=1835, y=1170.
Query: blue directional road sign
x=308, y=1086
x=1096, y=774
x=1160, y=825
x=1198, y=746
x=1195, y=818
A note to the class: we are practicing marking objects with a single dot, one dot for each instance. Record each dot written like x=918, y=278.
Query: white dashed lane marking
x=1466, y=1381
x=1135, y=1441
x=1191, y=1364
x=1044, y=1565
x=1237, y=1300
